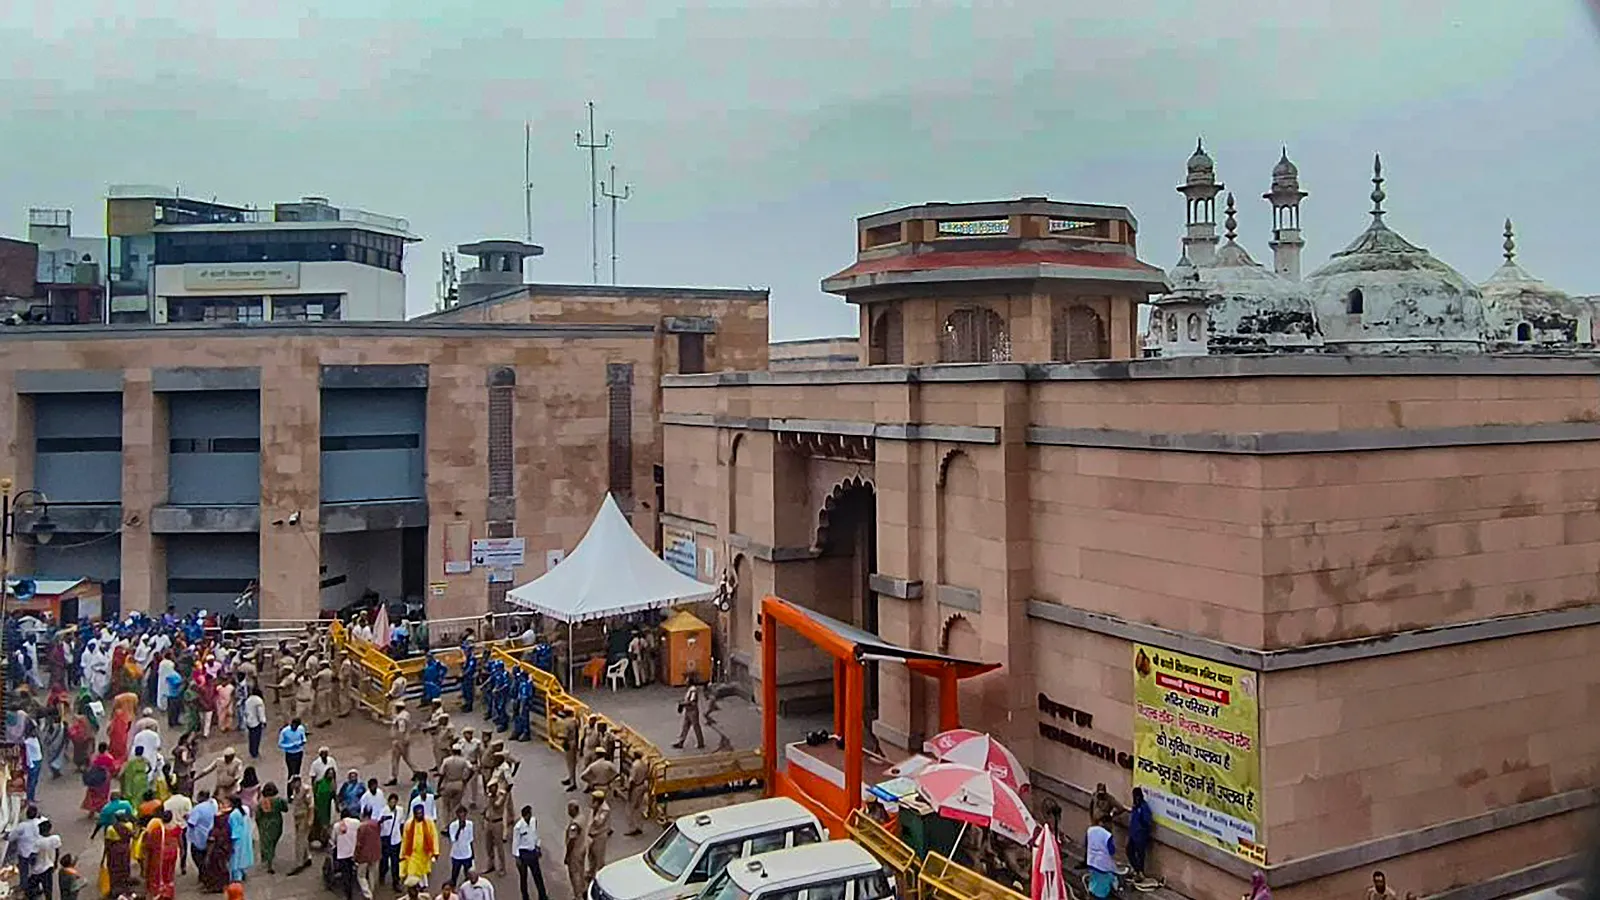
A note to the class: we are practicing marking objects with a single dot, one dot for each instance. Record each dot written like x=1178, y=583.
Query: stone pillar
x=1010, y=484
x=145, y=461
x=291, y=471
x=897, y=476
x=16, y=454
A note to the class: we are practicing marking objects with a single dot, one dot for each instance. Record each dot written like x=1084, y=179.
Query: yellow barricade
x=889, y=850
x=941, y=879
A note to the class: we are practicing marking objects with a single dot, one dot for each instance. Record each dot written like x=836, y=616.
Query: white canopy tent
x=610, y=573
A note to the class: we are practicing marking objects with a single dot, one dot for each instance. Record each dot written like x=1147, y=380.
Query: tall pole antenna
x=527, y=176
x=591, y=144
x=608, y=189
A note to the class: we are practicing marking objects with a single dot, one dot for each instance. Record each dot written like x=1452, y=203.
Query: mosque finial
x=1377, y=189
x=1510, y=245
x=1200, y=144
x=1229, y=223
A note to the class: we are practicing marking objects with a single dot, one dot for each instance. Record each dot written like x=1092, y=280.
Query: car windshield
x=723, y=888
x=671, y=854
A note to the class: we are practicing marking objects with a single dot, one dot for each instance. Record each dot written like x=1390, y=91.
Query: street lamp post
x=43, y=530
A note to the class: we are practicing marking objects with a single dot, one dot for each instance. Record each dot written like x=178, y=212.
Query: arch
x=959, y=637
x=974, y=334
x=1194, y=327
x=836, y=501
x=1078, y=333
x=737, y=483
x=1355, y=303
x=1524, y=332
x=505, y=376
x=742, y=613
x=1172, y=328
x=886, y=338
x=958, y=499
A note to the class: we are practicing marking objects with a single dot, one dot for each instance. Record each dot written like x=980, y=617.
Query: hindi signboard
x=1196, y=747
x=679, y=549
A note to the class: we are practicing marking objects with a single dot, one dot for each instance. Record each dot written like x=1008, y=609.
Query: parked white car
x=837, y=870
x=697, y=847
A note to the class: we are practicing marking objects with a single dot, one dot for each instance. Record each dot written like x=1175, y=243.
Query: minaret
x=1200, y=189
x=1285, y=197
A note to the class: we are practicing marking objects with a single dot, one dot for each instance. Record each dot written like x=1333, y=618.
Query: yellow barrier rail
x=887, y=847
x=941, y=879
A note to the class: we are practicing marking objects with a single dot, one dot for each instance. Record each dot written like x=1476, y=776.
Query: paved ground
x=363, y=744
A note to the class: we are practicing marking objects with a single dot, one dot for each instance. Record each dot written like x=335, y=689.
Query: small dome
x=1201, y=169
x=1521, y=309
x=1285, y=174
x=1249, y=308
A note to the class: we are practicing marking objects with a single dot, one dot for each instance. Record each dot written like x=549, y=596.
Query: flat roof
x=406, y=328
x=352, y=224
x=599, y=292
x=983, y=209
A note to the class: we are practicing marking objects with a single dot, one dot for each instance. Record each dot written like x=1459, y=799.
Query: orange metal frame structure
x=849, y=702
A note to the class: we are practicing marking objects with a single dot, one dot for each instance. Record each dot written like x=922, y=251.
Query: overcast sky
x=754, y=132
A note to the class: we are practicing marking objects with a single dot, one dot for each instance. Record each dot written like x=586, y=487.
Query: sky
x=754, y=133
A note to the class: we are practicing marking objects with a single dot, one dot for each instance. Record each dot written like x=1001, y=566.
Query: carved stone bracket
x=843, y=447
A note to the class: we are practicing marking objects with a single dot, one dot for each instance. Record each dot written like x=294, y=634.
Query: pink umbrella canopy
x=1048, y=881
x=980, y=751
x=980, y=798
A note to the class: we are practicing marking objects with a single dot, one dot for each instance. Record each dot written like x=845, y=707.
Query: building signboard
x=499, y=553
x=241, y=276
x=1196, y=747
x=975, y=227
x=679, y=549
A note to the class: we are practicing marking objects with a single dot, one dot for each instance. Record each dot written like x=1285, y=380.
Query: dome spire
x=1377, y=189
x=1229, y=223
x=1510, y=245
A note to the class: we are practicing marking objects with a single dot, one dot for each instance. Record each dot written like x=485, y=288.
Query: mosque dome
x=1521, y=309
x=1285, y=175
x=1384, y=294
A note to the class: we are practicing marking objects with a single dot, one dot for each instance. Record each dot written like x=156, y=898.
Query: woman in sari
x=97, y=780
x=322, y=791
x=224, y=704
x=119, y=669
x=149, y=808
x=183, y=764
x=250, y=789
x=244, y=841
x=208, y=704
x=191, y=707
x=269, y=821
x=81, y=737
x=122, y=710
x=116, y=868
x=218, y=856
x=136, y=776
x=163, y=839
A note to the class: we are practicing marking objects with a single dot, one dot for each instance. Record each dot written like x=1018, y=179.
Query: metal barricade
x=941, y=879
x=894, y=853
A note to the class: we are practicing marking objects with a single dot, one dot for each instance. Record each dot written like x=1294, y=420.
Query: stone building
x=321, y=460
x=1380, y=566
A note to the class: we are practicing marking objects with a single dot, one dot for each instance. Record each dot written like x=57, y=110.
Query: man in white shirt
x=525, y=850
x=476, y=887
x=180, y=805
x=460, y=834
x=322, y=763
x=33, y=758
x=372, y=804
x=149, y=741
x=390, y=822
x=47, y=848
x=344, y=851
x=25, y=835
x=255, y=720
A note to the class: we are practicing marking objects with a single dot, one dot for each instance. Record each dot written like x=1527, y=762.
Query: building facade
x=183, y=463
x=1332, y=610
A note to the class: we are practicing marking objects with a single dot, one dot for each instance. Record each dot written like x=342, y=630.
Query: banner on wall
x=1196, y=747
x=457, y=548
x=679, y=549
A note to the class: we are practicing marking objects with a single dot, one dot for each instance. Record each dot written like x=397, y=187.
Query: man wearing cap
x=324, y=696
x=305, y=693
x=400, y=742
x=575, y=852
x=230, y=769
x=321, y=763
x=637, y=789
x=567, y=732
x=454, y=770
x=438, y=726
x=598, y=775
x=496, y=822
x=470, y=746
x=599, y=832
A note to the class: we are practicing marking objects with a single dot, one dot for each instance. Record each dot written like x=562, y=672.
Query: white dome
x=1248, y=308
x=1520, y=308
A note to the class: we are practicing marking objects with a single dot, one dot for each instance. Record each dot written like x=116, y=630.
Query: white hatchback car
x=697, y=847
x=837, y=870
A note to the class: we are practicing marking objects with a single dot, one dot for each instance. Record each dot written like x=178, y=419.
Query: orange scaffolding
x=851, y=649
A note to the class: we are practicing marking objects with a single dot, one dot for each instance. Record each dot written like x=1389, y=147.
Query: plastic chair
x=594, y=669
x=617, y=671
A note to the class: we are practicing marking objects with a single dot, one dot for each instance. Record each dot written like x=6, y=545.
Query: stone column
x=144, y=487
x=897, y=476
x=291, y=472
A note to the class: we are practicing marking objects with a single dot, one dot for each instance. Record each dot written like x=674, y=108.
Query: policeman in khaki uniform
x=567, y=732
x=637, y=790
x=599, y=831
x=575, y=851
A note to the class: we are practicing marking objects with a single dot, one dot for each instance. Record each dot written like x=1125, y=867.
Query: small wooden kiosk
x=688, y=648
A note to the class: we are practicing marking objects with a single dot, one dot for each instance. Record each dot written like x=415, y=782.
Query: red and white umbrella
x=976, y=797
x=980, y=751
x=1048, y=881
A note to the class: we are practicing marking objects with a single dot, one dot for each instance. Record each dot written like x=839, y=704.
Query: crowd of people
x=94, y=699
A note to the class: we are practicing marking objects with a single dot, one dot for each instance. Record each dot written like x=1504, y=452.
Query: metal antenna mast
x=608, y=190
x=592, y=145
x=527, y=176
